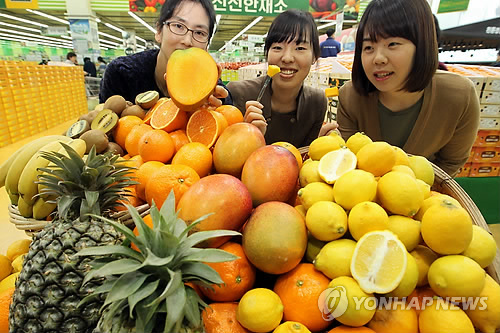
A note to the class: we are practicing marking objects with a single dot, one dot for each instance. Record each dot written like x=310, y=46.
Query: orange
x=149, y=114
x=291, y=148
x=180, y=139
x=134, y=137
x=168, y=117
x=130, y=198
x=156, y=145
x=205, y=127
x=170, y=177
x=197, y=156
x=123, y=128
x=299, y=291
x=395, y=319
x=149, y=222
x=5, y=300
x=238, y=276
x=134, y=162
x=143, y=174
x=349, y=329
x=232, y=114
x=221, y=318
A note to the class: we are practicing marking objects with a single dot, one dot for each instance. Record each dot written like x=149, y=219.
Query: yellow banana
x=4, y=168
x=14, y=198
x=78, y=145
x=42, y=208
x=23, y=155
x=25, y=208
x=27, y=187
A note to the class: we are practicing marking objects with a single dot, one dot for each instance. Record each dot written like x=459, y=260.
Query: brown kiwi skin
x=116, y=103
x=95, y=137
x=115, y=148
x=134, y=110
x=90, y=116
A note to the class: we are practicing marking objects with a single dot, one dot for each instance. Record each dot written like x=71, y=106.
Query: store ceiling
x=229, y=25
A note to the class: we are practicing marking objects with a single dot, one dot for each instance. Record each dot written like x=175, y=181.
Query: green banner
x=447, y=6
x=2, y=4
x=257, y=7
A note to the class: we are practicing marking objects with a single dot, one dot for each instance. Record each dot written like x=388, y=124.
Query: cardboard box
x=489, y=123
x=464, y=171
x=489, y=110
x=486, y=155
x=490, y=97
x=487, y=138
x=484, y=169
x=492, y=84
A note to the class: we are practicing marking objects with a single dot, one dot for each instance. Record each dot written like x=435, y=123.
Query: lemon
x=446, y=228
x=424, y=258
x=379, y=262
x=336, y=163
x=443, y=317
x=291, y=327
x=407, y=230
x=364, y=183
x=5, y=267
x=357, y=141
x=399, y=193
x=309, y=173
x=326, y=221
x=18, y=247
x=456, y=276
x=404, y=169
x=17, y=264
x=401, y=157
x=314, y=192
x=260, y=310
x=483, y=248
x=345, y=294
x=313, y=247
x=425, y=188
x=365, y=217
x=410, y=279
x=323, y=145
x=376, y=157
x=8, y=282
x=301, y=210
x=334, y=259
x=487, y=319
x=433, y=200
x=422, y=169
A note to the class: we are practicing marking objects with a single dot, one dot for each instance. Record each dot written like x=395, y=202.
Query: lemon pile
x=376, y=228
x=11, y=263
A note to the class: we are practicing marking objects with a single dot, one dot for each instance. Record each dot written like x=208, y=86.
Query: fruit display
x=342, y=236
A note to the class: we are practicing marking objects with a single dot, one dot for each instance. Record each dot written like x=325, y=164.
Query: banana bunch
x=20, y=173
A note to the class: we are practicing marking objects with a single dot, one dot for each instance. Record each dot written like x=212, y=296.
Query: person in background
x=71, y=58
x=396, y=95
x=101, y=65
x=289, y=110
x=182, y=24
x=330, y=47
x=89, y=67
x=441, y=65
x=497, y=64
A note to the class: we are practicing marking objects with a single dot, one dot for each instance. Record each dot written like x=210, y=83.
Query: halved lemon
x=379, y=262
x=335, y=163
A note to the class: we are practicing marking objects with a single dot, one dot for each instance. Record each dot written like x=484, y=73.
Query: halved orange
x=205, y=127
x=149, y=114
x=168, y=117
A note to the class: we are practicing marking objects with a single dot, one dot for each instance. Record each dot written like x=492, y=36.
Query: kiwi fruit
x=134, y=110
x=148, y=99
x=116, y=103
x=78, y=128
x=115, y=148
x=99, y=107
x=89, y=117
x=129, y=103
x=97, y=138
x=106, y=120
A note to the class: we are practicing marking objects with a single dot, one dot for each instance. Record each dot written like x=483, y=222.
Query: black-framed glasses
x=180, y=29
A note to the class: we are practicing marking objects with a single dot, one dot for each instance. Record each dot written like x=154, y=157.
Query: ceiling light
x=48, y=16
x=32, y=35
x=23, y=20
x=67, y=37
x=248, y=27
x=114, y=28
x=141, y=39
x=20, y=27
x=110, y=36
x=98, y=20
x=34, y=40
x=327, y=25
x=141, y=21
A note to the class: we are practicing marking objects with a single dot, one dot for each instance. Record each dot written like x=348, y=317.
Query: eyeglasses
x=180, y=29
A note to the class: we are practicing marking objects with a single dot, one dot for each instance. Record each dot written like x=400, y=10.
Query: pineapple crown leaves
x=83, y=187
x=151, y=282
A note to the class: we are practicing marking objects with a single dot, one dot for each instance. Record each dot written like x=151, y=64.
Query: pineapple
x=145, y=291
x=50, y=285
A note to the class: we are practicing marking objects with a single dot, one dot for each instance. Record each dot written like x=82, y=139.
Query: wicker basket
x=31, y=226
x=445, y=184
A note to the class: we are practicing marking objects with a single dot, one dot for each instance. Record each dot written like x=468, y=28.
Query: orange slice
x=205, y=127
x=168, y=117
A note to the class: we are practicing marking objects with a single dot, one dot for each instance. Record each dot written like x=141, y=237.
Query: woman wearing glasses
x=289, y=110
x=182, y=24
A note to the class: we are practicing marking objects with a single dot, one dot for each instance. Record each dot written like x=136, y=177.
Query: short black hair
x=86, y=59
x=169, y=7
x=411, y=20
x=330, y=32
x=70, y=55
x=293, y=24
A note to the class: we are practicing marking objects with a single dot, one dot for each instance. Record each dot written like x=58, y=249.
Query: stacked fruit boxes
x=34, y=98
